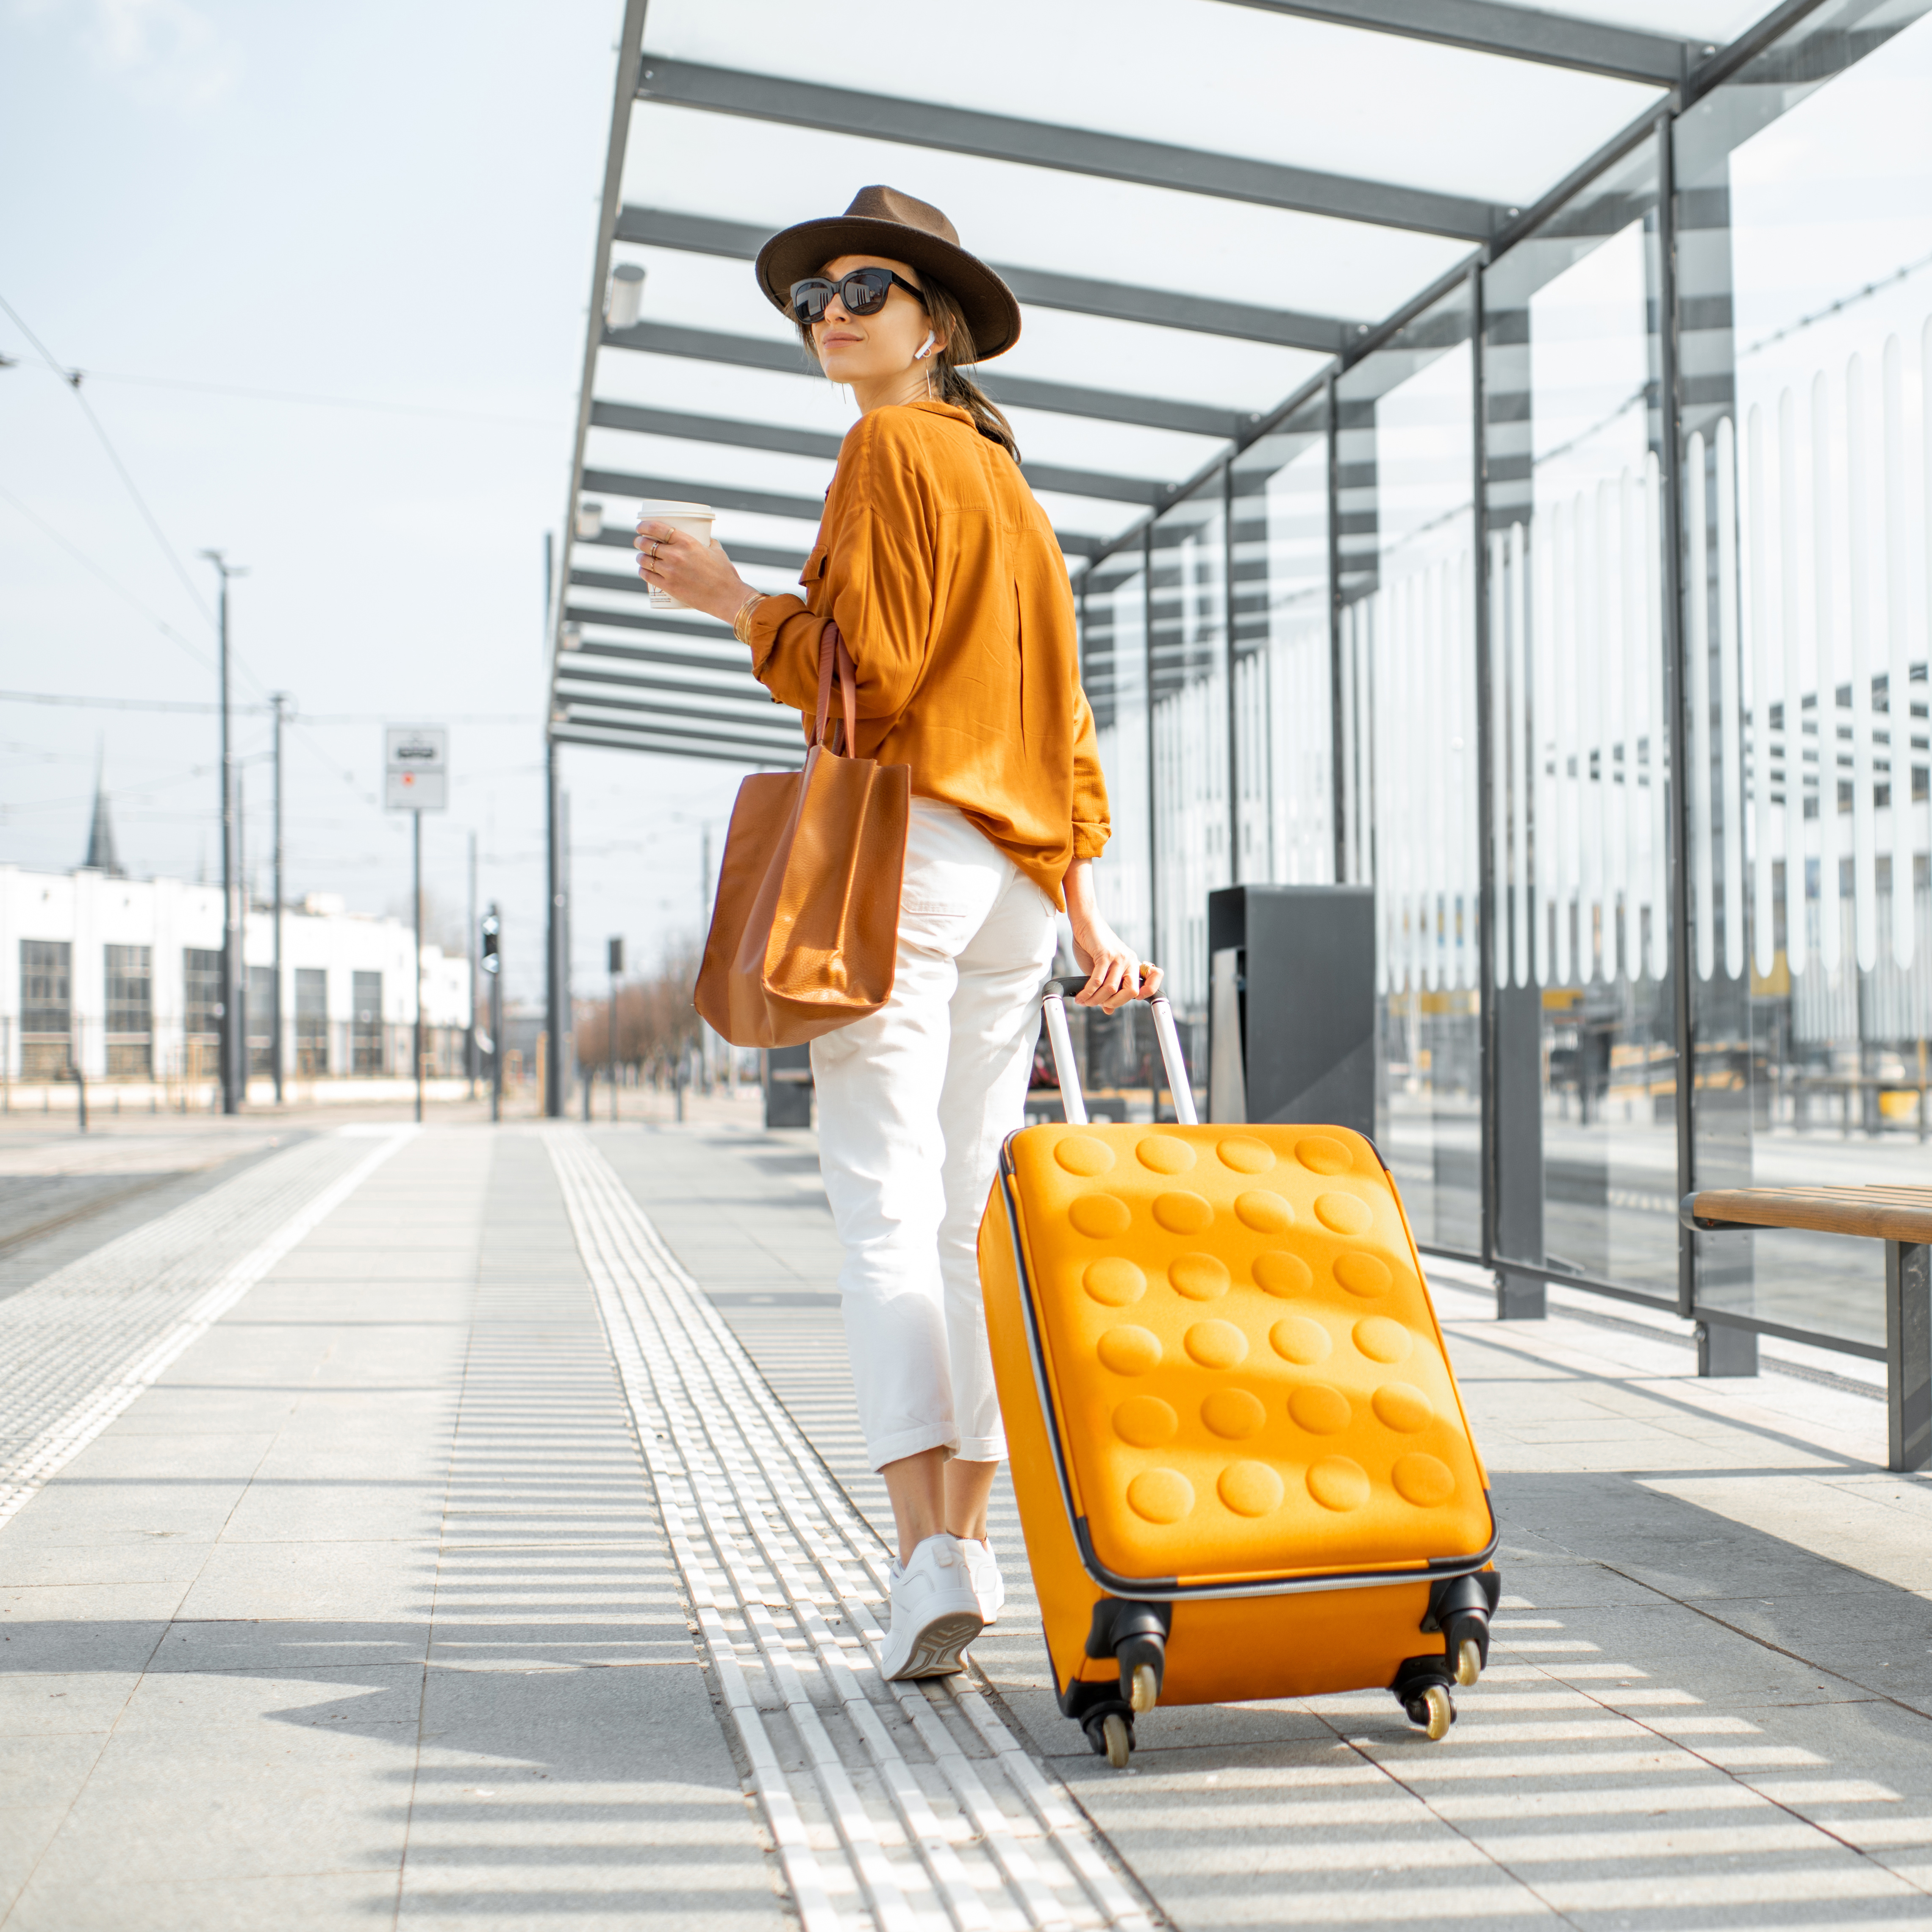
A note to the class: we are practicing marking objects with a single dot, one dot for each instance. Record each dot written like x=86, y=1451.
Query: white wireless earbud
x=925, y=349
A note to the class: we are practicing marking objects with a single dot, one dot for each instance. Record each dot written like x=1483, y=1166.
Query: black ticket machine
x=1291, y=1005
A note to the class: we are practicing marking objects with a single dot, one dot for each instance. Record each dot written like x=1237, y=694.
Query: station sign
x=415, y=767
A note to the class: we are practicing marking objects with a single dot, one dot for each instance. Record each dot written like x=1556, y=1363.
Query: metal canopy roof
x=1200, y=204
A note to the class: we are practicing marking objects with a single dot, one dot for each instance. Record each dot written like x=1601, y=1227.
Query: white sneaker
x=935, y=1613
x=989, y=1586
x=982, y=1568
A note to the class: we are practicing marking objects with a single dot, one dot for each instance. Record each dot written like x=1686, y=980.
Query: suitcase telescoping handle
x=1072, y=1100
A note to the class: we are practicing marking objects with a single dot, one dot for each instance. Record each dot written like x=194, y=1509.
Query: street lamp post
x=233, y=1078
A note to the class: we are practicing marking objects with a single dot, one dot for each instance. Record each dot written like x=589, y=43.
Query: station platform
x=467, y=1526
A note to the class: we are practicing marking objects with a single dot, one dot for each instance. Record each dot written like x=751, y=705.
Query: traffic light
x=615, y=956
x=493, y=927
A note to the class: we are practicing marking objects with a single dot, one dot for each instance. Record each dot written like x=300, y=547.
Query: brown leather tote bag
x=804, y=934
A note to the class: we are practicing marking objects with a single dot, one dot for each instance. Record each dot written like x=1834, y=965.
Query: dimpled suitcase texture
x=1242, y=1464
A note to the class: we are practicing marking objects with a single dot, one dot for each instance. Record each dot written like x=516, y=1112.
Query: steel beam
x=927, y=124
x=710, y=632
x=1101, y=484
x=616, y=738
x=1018, y=392
x=622, y=584
x=754, y=747
x=1518, y=33
x=803, y=509
x=1121, y=301
x=750, y=691
x=719, y=496
x=741, y=730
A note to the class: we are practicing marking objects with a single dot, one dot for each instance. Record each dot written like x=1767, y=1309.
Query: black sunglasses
x=863, y=292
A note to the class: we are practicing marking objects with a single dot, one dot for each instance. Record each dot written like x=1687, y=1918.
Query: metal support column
x=233, y=1047
x=1908, y=1354
x=555, y=969
x=1512, y=1162
x=1340, y=824
x=275, y=1048
x=415, y=839
x=1235, y=873
x=470, y=1020
x=1722, y=1349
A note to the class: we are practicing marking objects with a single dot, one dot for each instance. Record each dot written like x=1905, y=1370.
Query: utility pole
x=415, y=779
x=556, y=970
x=416, y=821
x=233, y=1047
x=469, y=1031
x=280, y=700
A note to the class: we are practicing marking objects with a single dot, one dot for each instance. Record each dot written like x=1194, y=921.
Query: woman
x=951, y=593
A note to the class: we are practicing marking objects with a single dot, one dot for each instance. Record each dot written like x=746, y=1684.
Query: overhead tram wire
x=72, y=377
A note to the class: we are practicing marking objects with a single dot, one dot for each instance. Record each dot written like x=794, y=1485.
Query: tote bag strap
x=834, y=657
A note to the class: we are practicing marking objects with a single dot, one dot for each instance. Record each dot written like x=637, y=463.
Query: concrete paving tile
x=245, y=1801
x=100, y=1516
x=47, y=1767
x=313, y=1580
x=29, y=1604
x=57, y=1644
x=45, y=1703
x=597, y=1725
x=326, y=1901
x=290, y=1645
x=25, y=1832
x=334, y=1512
x=541, y=1852
x=356, y=1698
x=224, y=1455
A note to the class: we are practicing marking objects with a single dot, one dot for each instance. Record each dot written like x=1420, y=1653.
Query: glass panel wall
x=1188, y=609
x=1699, y=575
x=1585, y=1026
x=1405, y=457
x=1113, y=669
x=1805, y=204
x=1280, y=606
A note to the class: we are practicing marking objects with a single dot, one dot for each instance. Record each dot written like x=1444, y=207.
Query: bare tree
x=657, y=1024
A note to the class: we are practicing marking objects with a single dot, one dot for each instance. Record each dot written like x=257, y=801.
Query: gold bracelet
x=741, y=624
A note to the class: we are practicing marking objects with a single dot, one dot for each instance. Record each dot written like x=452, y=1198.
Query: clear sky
x=326, y=270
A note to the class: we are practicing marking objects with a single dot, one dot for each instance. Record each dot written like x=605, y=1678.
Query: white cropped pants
x=913, y=1105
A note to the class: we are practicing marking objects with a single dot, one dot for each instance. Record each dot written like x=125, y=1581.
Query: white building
x=122, y=978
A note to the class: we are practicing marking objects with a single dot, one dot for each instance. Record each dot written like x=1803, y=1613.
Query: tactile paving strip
x=891, y=1805
x=78, y=1347
x=1247, y=1369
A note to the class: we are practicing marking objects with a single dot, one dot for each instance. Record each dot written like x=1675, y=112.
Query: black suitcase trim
x=1171, y=1589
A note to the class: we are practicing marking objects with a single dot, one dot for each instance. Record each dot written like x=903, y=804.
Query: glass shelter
x=1502, y=480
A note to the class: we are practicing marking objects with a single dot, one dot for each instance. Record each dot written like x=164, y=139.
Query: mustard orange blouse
x=948, y=589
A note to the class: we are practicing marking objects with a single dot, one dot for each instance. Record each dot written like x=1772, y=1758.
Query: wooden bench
x=1900, y=1217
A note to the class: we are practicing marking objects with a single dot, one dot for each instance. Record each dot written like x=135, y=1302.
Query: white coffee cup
x=691, y=520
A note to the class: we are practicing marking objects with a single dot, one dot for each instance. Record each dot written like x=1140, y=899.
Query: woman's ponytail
x=949, y=378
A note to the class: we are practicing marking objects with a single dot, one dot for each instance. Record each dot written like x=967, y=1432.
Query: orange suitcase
x=1242, y=1464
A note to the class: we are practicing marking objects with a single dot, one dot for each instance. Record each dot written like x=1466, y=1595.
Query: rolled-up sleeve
x=1092, y=827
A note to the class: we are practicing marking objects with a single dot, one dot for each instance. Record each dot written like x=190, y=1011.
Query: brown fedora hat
x=882, y=221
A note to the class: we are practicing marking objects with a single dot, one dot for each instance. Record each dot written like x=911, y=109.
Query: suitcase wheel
x=1147, y=1688
x=1111, y=1733
x=1434, y=1709
x=1468, y=1662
